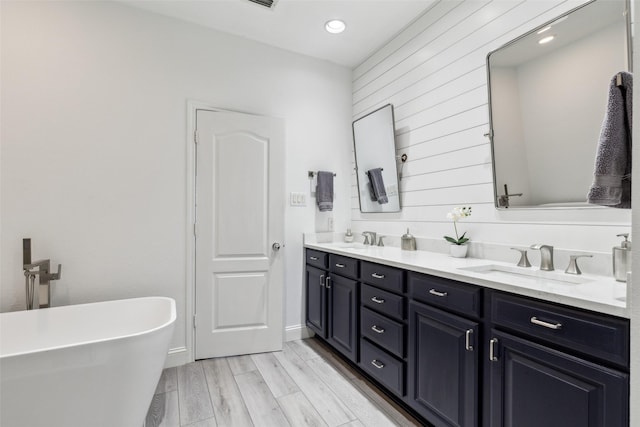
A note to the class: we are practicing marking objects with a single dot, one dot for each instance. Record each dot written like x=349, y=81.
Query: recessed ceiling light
x=335, y=26
x=547, y=28
x=546, y=39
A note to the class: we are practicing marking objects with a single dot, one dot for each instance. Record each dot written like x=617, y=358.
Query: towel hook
x=403, y=158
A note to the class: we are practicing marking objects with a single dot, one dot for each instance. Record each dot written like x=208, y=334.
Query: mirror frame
x=389, y=165
x=568, y=205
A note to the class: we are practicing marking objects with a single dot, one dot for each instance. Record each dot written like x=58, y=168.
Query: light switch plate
x=298, y=199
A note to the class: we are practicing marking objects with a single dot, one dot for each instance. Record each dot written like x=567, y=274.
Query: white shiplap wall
x=434, y=74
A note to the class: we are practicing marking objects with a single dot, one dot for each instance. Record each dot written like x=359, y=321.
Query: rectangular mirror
x=375, y=153
x=548, y=93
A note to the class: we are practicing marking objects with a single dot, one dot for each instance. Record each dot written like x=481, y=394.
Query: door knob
x=276, y=246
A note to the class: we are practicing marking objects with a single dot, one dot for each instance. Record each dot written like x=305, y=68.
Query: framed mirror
x=548, y=93
x=375, y=153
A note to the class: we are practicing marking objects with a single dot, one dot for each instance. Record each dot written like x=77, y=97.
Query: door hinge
x=196, y=136
x=195, y=321
x=195, y=230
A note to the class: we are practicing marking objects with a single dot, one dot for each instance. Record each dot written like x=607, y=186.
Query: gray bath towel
x=324, y=191
x=376, y=186
x=612, y=174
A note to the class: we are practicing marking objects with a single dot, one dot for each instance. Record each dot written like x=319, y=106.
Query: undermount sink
x=354, y=246
x=527, y=275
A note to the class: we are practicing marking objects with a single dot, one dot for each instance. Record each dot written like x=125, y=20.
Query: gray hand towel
x=376, y=186
x=612, y=173
x=324, y=191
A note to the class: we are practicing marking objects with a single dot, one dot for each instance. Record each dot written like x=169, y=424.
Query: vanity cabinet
x=383, y=330
x=316, y=306
x=444, y=351
x=461, y=355
x=332, y=300
x=555, y=366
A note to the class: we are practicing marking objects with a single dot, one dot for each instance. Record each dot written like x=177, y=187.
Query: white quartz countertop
x=596, y=293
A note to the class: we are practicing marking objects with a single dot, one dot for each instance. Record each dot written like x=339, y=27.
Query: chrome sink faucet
x=546, y=256
x=369, y=237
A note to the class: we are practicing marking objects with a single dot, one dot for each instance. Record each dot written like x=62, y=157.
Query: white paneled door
x=239, y=231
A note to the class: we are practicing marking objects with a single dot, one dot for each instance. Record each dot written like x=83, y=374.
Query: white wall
x=93, y=154
x=434, y=74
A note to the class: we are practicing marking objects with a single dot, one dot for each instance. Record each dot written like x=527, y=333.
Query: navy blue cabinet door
x=343, y=309
x=443, y=366
x=316, y=300
x=533, y=386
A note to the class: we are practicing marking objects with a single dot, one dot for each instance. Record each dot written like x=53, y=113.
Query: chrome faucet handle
x=370, y=234
x=380, y=242
x=573, y=264
x=524, y=261
x=546, y=256
x=56, y=276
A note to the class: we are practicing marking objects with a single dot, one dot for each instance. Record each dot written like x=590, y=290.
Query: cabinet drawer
x=343, y=266
x=595, y=335
x=317, y=258
x=385, y=368
x=382, y=276
x=382, y=301
x=455, y=296
x=382, y=331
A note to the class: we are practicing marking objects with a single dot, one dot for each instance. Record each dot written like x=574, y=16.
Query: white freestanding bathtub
x=83, y=365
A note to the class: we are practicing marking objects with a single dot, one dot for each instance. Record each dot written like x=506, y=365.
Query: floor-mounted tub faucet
x=41, y=269
x=546, y=256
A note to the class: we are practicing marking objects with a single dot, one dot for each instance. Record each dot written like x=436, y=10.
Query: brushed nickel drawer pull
x=339, y=265
x=377, y=330
x=377, y=300
x=467, y=340
x=313, y=258
x=538, y=322
x=492, y=350
x=377, y=364
x=437, y=293
x=322, y=280
x=377, y=276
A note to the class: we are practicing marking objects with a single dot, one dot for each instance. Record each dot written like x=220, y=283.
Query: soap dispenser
x=622, y=259
x=348, y=236
x=408, y=242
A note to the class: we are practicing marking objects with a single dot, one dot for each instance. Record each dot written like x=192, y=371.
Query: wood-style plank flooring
x=305, y=384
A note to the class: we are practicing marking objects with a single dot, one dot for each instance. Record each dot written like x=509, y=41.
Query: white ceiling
x=298, y=25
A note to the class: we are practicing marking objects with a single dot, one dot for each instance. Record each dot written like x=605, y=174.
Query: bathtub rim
x=168, y=323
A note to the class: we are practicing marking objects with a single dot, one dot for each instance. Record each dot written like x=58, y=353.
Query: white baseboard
x=177, y=357
x=297, y=332
x=180, y=355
